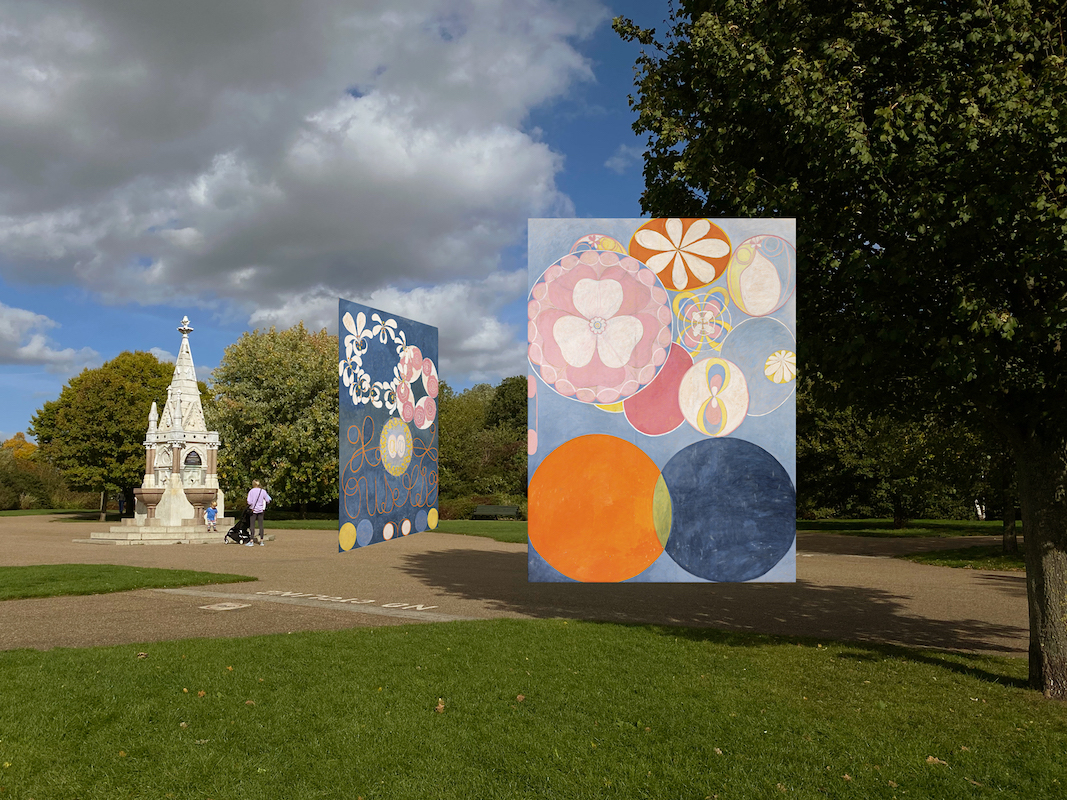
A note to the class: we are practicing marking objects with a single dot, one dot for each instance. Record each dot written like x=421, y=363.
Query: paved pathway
x=847, y=588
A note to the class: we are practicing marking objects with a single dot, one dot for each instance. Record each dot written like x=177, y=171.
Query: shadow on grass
x=839, y=613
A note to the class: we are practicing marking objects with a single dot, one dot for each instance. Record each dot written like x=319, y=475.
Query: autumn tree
x=922, y=147
x=94, y=431
x=274, y=402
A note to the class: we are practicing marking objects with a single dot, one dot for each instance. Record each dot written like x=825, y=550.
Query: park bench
x=495, y=512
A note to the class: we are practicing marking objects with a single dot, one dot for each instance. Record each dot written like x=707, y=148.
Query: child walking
x=210, y=517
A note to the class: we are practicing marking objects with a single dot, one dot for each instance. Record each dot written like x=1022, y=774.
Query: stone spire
x=183, y=410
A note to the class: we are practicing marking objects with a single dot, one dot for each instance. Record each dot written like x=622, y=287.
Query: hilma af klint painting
x=662, y=406
x=387, y=438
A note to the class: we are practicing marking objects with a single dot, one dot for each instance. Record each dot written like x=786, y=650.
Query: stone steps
x=158, y=534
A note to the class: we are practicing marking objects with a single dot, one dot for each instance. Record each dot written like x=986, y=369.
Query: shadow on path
x=843, y=613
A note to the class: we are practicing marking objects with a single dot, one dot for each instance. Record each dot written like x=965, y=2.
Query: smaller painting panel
x=387, y=437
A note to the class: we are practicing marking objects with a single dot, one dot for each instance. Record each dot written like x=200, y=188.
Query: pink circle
x=531, y=385
x=531, y=441
x=426, y=410
x=578, y=355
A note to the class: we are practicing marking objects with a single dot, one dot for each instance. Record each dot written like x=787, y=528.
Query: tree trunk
x=103, y=506
x=1009, y=541
x=1042, y=471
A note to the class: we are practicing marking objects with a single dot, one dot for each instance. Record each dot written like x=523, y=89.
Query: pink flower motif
x=600, y=326
x=410, y=363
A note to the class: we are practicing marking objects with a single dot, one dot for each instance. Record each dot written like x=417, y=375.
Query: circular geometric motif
x=599, y=326
x=753, y=346
x=596, y=509
x=597, y=241
x=704, y=320
x=713, y=396
x=733, y=509
x=685, y=253
x=395, y=446
x=762, y=274
x=654, y=411
x=781, y=367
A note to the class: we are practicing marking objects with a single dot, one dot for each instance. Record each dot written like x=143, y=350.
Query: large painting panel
x=662, y=405
x=387, y=438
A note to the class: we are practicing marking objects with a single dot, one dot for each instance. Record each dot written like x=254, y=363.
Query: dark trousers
x=252, y=527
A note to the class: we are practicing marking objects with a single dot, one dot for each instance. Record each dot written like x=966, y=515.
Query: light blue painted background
x=561, y=418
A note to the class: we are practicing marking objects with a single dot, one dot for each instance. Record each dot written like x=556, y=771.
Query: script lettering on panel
x=662, y=400
x=387, y=437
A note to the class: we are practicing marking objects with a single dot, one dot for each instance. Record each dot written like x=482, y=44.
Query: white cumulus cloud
x=23, y=341
x=272, y=154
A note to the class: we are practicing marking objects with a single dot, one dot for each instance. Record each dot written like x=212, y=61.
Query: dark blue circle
x=733, y=509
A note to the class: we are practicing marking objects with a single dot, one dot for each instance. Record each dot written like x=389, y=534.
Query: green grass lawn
x=500, y=530
x=978, y=557
x=523, y=709
x=91, y=515
x=53, y=580
x=503, y=530
x=915, y=528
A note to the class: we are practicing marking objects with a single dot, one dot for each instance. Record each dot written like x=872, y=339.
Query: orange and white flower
x=685, y=253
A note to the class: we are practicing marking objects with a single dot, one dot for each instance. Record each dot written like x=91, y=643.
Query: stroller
x=241, y=532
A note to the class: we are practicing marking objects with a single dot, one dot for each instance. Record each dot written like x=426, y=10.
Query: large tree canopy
x=94, y=431
x=922, y=146
x=274, y=404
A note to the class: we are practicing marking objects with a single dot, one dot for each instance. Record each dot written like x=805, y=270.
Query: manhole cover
x=225, y=606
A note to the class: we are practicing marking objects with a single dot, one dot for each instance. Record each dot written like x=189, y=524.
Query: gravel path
x=847, y=588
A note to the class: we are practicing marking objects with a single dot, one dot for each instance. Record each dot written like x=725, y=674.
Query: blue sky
x=246, y=164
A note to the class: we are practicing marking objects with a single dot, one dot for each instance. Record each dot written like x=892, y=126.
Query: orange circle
x=591, y=509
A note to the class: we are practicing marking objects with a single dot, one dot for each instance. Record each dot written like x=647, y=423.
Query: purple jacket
x=257, y=500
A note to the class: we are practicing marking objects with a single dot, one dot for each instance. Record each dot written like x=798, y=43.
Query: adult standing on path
x=257, y=501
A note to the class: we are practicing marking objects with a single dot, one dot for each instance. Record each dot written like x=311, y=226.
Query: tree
x=483, y=440
x=275, y=405
x=19, y=447
x=509, y=404
x=94, y=431
x=853, y=464
x=922, y=146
